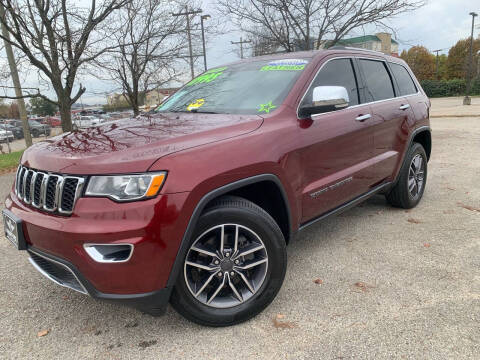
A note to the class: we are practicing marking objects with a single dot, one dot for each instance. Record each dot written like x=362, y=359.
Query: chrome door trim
x=354, y=106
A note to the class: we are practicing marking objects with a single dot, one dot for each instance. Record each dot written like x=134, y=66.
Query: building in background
x=115, y=99
x=155, y=97
x=381, y=42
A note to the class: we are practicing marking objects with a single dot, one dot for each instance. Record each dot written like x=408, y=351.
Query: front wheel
x=412, y=179
x=234, y=267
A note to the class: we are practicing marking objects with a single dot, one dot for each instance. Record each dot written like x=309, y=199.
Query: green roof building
x=381, y=42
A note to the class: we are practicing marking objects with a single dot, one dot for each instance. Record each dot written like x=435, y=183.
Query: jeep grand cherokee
x=197, y=203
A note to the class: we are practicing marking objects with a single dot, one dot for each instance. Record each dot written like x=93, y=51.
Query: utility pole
x=436, y=62
x=202, y=19
x=241, y=42
x=16, y=81
x=466, y=99
x=189, y=36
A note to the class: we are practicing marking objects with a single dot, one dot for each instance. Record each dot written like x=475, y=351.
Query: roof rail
x=341, y=47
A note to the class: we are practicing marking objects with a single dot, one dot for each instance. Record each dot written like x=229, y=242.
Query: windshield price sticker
x=266, y=107
x=207, y=77
x=196, y=104
x=285, y=65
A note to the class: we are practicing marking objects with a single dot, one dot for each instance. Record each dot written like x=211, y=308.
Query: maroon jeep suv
x=196, y=203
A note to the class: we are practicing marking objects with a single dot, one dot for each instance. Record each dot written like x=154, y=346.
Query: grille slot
x=57, y=272
x=68, y=195
x=50, y=192
x=21, y=178
x=27, y=186
x=37, y=190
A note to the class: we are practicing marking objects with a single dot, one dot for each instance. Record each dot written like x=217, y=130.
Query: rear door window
x=404, y=80
x=336, y=72
x=378, y=81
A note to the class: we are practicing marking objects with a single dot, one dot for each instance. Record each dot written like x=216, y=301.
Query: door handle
x=404, y=107
x=363, y=117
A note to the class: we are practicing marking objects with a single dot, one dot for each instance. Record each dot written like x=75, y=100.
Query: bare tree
x=305, y=24
x=147, y=45
x=59, y=38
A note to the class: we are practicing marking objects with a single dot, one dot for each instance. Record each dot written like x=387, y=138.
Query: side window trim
x=361, y=82
x=355, y=75
x=396, y=88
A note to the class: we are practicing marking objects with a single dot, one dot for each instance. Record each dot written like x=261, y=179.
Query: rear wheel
x=409, y=189
x=234, y=267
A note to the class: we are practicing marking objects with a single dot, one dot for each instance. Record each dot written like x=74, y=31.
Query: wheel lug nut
x=217, y=262
x=237, y=262
x=232, y=273
x=220, y=274
x=227, y=254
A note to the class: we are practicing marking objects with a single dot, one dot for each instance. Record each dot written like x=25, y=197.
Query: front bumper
x=66, y=274
x=155, y=227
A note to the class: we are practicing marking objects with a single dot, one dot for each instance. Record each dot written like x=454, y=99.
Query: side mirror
x=325, y=99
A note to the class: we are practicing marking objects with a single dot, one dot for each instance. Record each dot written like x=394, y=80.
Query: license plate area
x=13, y=229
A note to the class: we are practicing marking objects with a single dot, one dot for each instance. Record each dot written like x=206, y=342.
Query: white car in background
x=6, y=134
x=84, y=121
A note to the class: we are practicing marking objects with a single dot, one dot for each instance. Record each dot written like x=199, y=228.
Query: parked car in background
x=5, y=134
x=105, y=117
x=16, y=130
x=85, y=121
x=36, y=129
x=53, y=121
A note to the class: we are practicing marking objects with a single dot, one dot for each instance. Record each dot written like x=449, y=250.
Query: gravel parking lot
x=390, y=284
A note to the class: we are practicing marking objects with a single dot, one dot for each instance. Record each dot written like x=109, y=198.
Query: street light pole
x=466, y=99
x=202, y=19
x=436, y=62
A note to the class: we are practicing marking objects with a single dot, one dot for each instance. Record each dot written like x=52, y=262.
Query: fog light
x=109, y=253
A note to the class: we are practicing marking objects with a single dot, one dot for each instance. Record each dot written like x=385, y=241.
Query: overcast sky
x=438, y=25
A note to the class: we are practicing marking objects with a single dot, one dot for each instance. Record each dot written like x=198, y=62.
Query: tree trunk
x=66, y=116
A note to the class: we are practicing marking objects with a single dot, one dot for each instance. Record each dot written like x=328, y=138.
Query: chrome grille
x=49, y=192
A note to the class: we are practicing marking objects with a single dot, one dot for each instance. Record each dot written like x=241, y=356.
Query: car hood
x=133, y=145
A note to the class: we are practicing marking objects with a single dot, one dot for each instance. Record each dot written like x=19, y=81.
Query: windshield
x=247, y=88
x=33, y=122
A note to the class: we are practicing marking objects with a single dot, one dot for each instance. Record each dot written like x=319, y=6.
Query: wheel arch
x=423, y=136
x=247, y=187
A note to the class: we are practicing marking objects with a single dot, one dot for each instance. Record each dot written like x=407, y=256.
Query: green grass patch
x=9, y=161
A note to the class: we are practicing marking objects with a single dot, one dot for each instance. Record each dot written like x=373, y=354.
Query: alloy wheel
x=416, y=176
x=226, y=265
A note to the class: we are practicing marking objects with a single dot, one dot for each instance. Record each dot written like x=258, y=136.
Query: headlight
x=126, y=187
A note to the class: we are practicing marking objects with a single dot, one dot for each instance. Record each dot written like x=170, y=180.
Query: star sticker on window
x=266, y=107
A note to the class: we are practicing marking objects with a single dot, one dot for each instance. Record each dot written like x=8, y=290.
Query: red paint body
x=202, y=152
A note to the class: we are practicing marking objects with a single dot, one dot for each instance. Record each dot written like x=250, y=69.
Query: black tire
x=35, y=133
x=235, y=210
x=400, y=196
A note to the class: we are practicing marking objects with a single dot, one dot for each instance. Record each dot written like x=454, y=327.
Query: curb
x=454, y=116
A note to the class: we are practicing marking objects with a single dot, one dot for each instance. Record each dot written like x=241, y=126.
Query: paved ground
x=17, y=145
x=395, y=284
x=453, y=106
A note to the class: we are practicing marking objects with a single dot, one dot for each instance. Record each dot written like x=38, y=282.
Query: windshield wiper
x=203, y=112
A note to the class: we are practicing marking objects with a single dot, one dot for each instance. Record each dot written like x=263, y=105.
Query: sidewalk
x=453, y=107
